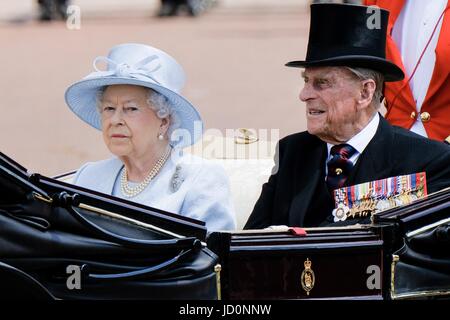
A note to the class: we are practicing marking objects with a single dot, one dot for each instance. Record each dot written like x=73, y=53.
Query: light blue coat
x=187, y=185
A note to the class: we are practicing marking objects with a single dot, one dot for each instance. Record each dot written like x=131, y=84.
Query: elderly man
x=348, y=142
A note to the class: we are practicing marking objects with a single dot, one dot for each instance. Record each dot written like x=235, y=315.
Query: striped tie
x=339, y=166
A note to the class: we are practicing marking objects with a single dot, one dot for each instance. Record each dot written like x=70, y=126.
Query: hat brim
x=81, y=97
x=390, y=71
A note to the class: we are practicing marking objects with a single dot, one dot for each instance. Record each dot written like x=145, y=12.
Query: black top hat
x=349, y=35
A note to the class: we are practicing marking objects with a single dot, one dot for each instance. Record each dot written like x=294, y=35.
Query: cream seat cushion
x=247, y=165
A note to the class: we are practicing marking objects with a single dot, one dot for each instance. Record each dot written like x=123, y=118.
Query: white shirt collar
x=362, y=138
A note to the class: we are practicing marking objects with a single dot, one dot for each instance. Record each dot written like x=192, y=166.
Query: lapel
x=308, y=173
x=107, y=176
x=374, y=163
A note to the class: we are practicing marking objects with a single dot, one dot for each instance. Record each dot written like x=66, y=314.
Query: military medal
x=375, y=196
x=340, y=213
x=342, y=209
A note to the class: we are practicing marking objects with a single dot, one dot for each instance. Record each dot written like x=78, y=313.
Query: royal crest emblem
x=307, y=278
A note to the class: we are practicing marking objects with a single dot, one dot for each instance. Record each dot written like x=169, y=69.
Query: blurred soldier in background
x=343, y=1
x=418, y=40
x=52, y=9
x=194, y=8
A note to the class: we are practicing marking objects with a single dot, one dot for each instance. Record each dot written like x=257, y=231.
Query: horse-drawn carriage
x=62, y=241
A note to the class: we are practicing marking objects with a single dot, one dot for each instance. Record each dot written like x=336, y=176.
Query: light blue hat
x=141, y=65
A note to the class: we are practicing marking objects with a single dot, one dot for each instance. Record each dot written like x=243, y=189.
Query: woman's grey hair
x=364, y=74
x=158, y=103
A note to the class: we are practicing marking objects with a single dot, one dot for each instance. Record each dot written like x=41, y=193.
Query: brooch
x=176, y=180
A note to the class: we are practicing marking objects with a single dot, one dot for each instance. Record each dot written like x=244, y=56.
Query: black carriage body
x=116, y=249
x=404, y=253
x=131, y=251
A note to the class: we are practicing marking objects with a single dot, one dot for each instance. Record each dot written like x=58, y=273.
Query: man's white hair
x=364, y=74
x=158, y=103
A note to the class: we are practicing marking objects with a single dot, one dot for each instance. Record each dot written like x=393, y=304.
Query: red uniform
x=435, y=111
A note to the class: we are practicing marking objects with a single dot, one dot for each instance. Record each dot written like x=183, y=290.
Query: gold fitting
x=395, y=260
x=425, y=116
x=41, y=197
x=413, y=115
x=217, y=270
x=338, y=171
x=245, y=136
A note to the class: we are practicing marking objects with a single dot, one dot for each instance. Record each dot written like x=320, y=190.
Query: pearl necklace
x=131, y=192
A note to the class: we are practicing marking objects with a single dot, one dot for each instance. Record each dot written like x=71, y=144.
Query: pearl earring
x=160, y=137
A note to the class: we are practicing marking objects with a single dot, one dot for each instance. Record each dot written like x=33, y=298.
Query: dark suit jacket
x=296, y=193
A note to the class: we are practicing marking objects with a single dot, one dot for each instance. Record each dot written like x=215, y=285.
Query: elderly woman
x=145, y=124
